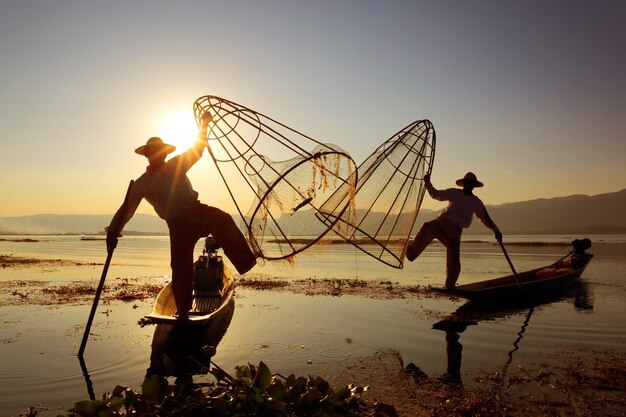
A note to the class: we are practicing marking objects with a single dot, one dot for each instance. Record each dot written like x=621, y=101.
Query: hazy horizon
x=435, y=206
x=601, y=213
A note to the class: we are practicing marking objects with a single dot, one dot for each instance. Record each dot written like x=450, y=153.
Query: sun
x=180, y=130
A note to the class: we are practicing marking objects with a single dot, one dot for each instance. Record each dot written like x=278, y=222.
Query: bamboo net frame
x=388, y=195
x=282, y=197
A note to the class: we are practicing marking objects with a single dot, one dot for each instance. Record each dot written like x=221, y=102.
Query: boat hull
x=538, y=282
x=206, y=304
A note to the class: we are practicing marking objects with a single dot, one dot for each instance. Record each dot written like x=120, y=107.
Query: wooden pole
x=94, y=306
x=506, y=255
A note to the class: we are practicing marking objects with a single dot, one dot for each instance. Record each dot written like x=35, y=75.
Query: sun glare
x=179, y=130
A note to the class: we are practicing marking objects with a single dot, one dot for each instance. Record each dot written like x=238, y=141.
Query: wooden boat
x=539, y=282
x=187, y=350
x=213, y=288
x=90, y=238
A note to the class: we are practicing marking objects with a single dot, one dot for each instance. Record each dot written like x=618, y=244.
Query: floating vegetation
x=573, y=383
x=253, y=391
x=10, y=261
x=7, y=261
x=125, y=289
x=75, y=292
x=118, y=291
x=261, y=284
x=337, y=287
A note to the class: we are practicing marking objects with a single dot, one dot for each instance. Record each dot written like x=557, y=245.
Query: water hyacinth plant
x=253, y=391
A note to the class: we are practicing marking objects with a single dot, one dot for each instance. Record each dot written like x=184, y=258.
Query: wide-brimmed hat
x=155, y=145
x=469, y=178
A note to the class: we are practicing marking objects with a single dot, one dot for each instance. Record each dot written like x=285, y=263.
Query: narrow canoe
x=214, y=286
x=537, y=282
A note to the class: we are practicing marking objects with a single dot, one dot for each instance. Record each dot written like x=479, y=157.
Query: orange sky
x=532, y=98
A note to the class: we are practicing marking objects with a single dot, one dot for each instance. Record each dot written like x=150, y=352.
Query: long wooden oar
x=506, y=255
x=94, y=306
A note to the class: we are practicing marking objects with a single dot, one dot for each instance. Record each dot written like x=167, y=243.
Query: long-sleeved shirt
x=461, y=207
x=168, y=189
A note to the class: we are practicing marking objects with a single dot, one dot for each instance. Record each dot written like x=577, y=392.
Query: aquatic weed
x=253, y=391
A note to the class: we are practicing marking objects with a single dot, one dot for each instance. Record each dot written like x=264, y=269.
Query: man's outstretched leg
x=224, y=230
x=429, y=231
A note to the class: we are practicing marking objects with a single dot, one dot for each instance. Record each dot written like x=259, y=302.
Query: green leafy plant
x=253, y=391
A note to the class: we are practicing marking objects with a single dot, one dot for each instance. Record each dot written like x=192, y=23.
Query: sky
x=529, y=95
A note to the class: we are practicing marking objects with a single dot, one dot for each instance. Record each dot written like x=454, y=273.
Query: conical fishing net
x=387, y=197
x=287, y=176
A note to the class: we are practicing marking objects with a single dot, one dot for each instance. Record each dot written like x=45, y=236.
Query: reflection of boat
x=472, y=313
x=536, y=282
x=183, y=351
x=213, y=287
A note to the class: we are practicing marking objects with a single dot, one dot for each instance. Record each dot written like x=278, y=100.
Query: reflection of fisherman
x=183, y=351
x=454, y=348
x=454, y=352
x=447, y=228
x=166, y=187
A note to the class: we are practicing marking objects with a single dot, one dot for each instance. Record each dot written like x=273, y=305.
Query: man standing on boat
x=167, y=188
x=448, y=227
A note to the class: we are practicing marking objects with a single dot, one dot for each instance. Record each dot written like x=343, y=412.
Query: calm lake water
x=297, y=333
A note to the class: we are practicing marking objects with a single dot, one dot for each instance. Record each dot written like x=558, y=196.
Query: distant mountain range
x=602, y=213
x=77, y=224
x=577, y=214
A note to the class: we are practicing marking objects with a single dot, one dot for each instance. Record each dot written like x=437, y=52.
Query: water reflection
x=182, y=351
x=470, y=314
x=454, y=348
x=88, y=383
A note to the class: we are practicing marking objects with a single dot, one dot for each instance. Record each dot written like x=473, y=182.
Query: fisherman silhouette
x=448, y=227
x=167, y=188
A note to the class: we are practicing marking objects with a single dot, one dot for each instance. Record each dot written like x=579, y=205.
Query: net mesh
x=384, y=205
x=279, y=206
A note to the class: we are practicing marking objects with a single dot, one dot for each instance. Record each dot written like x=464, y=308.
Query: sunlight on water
x=293, y=332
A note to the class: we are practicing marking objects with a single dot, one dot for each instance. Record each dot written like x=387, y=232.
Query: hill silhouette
x=600, y=214
x=78, y=224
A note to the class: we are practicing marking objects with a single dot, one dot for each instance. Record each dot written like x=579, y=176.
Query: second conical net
x=388, y=195
x=283, y=176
